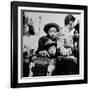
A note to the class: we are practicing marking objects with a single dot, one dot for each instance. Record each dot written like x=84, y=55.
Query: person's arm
x=61, y=44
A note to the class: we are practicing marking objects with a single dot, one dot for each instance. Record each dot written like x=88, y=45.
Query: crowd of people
x=57, y=52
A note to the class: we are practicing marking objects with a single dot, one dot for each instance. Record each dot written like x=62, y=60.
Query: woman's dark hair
x=69, y=18
x=31, y=30
x=49, y=25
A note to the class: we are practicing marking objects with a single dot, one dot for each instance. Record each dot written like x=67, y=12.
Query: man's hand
x=67, y=52
x=44, y=53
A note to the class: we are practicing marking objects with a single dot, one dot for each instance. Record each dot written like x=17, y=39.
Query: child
x=49, y=60
x=51, y=49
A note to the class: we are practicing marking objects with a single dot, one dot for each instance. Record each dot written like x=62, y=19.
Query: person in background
x=28, y=38
x=76, y=41
x=27, y=47
x=67, y=46
x=76, y=46
x=65, y=41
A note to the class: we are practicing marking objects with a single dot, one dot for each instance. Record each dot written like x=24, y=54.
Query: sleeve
x=60, y=44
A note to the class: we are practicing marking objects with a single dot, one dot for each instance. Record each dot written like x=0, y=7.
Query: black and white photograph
x=50, y=44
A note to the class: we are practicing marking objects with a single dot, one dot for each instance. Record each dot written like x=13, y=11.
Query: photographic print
x=50, y=44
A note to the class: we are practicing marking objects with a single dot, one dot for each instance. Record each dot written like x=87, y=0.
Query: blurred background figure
x=29, y=36
x=76, y=40
x=28, y=39
x=65, y=42
x=29, y=43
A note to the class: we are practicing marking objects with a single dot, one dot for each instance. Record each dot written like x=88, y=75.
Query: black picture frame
x=14, y=43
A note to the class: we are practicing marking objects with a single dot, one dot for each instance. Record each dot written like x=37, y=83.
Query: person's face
x=52, y=32
x=70, y=25
x=52, y=50
x=76, y=34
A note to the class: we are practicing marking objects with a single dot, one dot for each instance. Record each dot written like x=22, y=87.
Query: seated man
x=66, y=44
x=65, y=41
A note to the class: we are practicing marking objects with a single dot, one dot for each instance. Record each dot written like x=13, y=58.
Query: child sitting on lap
x=49, y=60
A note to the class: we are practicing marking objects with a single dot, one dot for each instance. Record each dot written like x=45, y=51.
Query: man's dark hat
x=49, y=25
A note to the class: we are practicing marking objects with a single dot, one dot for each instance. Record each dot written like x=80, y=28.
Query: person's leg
x=51, y=68
x=32, y=64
